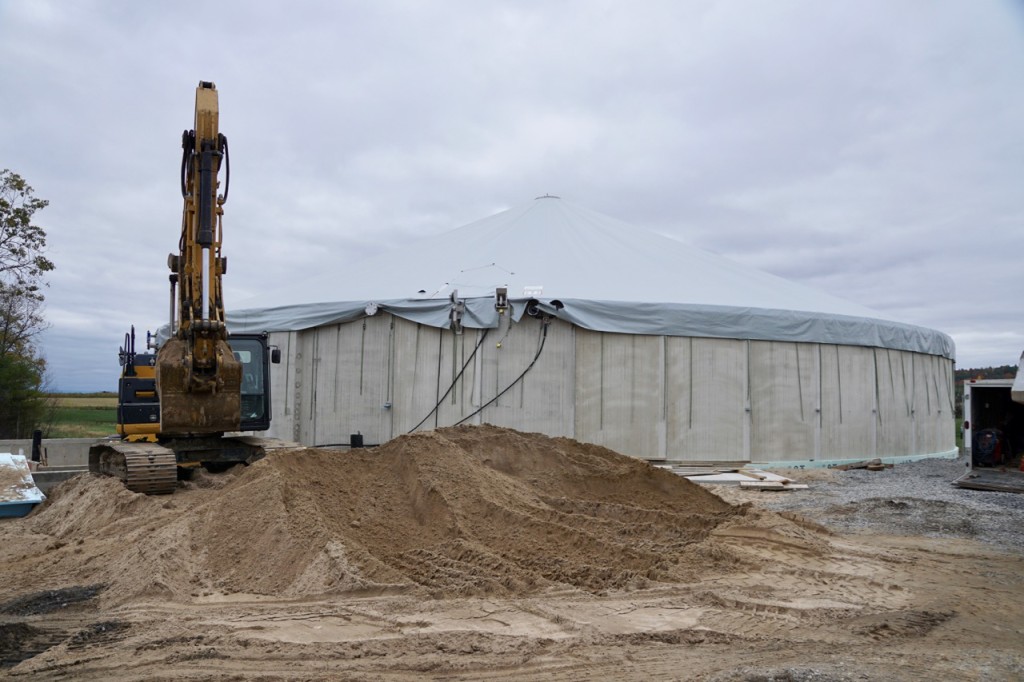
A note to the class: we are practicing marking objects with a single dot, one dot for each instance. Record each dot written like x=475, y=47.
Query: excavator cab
x=255, y=356
x=138, y=404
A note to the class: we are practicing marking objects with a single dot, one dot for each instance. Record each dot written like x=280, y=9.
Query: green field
x=83, y=415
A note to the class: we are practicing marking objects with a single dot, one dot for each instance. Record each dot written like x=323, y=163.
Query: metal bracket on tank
x=458, y=309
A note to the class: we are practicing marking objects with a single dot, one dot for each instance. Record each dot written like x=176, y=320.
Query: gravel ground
x=916, y=498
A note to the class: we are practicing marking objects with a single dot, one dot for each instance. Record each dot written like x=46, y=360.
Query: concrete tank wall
x=59, y=452
x=656, y=397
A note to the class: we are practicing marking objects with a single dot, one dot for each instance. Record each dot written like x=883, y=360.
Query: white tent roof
x=610, y=275
x=568, y=251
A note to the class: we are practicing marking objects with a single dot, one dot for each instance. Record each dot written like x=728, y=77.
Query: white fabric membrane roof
x=608, y=276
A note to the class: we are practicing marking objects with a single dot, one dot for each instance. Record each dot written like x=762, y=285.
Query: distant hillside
x=962, y=375
x=1002, y=372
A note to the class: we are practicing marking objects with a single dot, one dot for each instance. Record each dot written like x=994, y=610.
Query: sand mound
x=459, y=511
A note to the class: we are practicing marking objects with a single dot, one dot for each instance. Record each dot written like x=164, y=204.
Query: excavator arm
x=198, y=378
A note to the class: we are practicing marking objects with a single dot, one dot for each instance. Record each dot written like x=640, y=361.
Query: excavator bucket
x=194, y=404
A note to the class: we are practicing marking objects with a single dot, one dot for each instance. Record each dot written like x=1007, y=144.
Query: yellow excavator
x=175, y=406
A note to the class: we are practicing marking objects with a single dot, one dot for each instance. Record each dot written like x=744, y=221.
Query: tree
x=23, y=267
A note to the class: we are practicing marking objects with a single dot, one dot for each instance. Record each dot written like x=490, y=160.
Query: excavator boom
x=198, y=377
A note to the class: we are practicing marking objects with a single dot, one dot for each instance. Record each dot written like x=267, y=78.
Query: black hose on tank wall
x=543, y=338
x=454, y=381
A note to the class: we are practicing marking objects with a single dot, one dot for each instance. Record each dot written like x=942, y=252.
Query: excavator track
x=143, y=467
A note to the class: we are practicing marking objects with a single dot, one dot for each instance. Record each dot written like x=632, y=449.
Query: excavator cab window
x=251, y=350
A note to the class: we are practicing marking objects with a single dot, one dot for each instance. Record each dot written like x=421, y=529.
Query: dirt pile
x=524, y=533
x=459, y=511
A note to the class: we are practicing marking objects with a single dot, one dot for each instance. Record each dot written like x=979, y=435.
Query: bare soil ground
x=477, y=553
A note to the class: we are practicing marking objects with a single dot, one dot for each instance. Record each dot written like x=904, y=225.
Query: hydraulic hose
x=227, y=167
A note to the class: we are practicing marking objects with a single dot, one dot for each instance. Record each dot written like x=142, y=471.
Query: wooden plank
x=872, y=464
x=992, y=480
x=772, y=485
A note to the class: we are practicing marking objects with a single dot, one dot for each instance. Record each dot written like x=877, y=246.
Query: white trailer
x=1017, y=392
x=988, y=406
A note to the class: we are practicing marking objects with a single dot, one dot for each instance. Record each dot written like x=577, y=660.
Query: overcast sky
x=872, y=149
